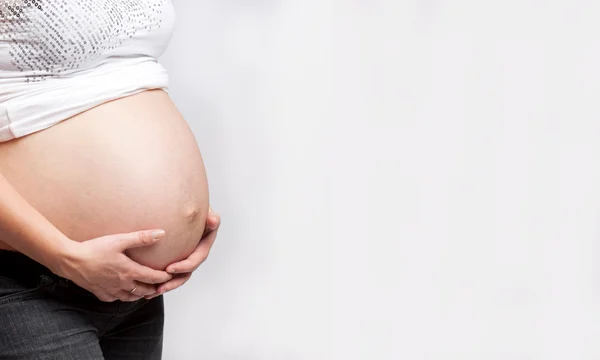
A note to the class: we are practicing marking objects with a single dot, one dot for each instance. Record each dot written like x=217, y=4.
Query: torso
x=126, y=165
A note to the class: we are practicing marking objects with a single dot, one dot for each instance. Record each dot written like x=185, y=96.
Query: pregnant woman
x=104, y=200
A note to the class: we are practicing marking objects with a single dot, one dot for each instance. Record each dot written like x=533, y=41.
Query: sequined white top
x=59, y=58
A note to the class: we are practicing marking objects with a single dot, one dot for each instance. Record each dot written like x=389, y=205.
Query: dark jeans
x=44, y=316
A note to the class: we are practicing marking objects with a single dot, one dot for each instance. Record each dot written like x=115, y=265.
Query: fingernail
x=171, y=270
x=157, y=234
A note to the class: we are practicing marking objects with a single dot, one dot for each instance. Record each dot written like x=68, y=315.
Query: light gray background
x=397, y=179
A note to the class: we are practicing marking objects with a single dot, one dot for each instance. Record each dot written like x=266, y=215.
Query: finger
x=213, y=220
x=212, y=224
x=140, y=238
x=142, y=289
x=148, y=275
x=196, y=258
x=104, y=296
x=173, y=284
x=126, y=296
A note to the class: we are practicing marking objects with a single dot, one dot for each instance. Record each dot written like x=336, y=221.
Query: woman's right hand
x=101, y=266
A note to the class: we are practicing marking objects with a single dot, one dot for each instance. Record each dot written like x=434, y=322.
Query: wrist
x=60, y=259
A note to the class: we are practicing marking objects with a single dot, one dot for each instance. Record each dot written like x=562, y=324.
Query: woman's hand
x=182, y=270
x=101, y=266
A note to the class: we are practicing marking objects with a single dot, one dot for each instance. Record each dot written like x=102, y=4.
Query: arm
x=99, y=265
x=28, y=231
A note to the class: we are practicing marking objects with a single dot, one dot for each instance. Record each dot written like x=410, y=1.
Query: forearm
x=27, y=230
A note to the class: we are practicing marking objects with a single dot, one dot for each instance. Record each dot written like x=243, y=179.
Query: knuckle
x=122, y=277
x=152, y=278
x=106, y=298
x=129, y=275
x=144, y=238
x=146, y=292
x=112, y=240
x=123, y=285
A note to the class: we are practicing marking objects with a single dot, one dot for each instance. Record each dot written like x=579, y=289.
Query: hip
x=42, y=313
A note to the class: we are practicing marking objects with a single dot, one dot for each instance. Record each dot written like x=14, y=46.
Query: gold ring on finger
x=134, y=288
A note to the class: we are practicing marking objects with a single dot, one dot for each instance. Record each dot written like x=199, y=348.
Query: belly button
x=192, y=212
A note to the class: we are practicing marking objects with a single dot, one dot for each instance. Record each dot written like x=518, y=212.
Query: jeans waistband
x=22, y=268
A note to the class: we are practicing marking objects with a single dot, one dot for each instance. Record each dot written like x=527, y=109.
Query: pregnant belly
x=127, y=165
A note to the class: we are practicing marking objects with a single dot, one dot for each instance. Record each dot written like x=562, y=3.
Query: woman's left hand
x=182, y=270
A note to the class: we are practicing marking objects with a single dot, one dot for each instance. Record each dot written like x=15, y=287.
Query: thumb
x=140, y=238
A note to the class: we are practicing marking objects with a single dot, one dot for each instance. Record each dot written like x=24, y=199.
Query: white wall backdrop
x=252, y=79
x=397, y=179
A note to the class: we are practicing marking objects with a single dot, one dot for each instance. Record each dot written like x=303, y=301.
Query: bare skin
x=106, y=179
x=182, y=270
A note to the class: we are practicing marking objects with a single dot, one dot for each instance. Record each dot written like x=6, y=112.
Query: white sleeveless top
x=59, y=58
